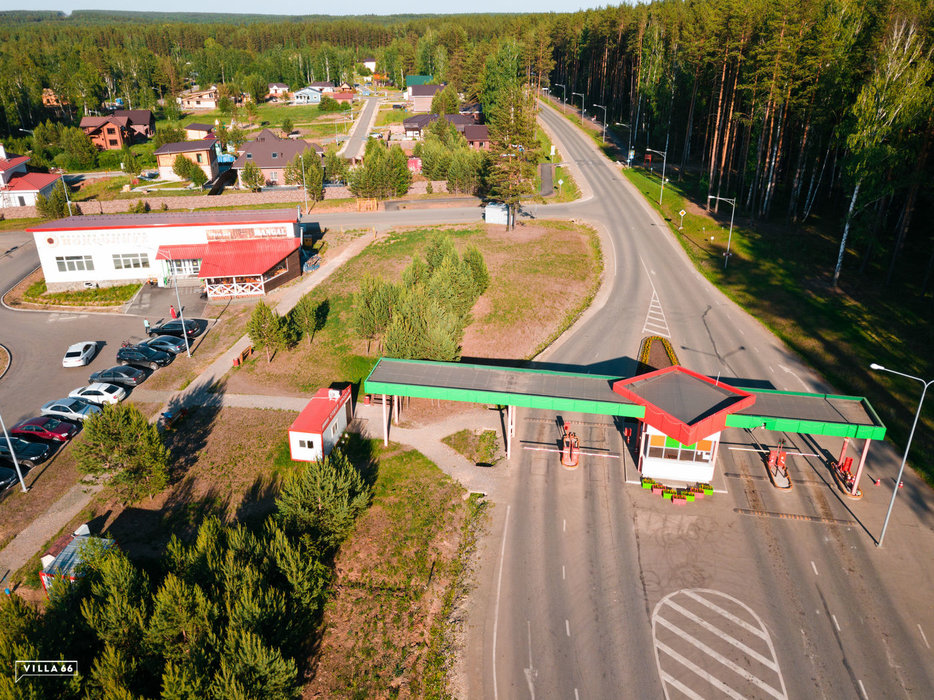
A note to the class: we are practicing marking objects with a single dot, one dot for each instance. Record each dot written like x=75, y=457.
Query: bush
x=140, y=206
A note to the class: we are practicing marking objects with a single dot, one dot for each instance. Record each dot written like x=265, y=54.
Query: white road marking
x=564, y=525
x=862, y=689
x=499, y=586
x=563, y=575
x=724, y=636
x=729, y=616
x=792, y=373
x=814, y=566
x=835, y=623
x=567, y=627
x=924, y=637
x=741, y=331
x=703, y=673
x=576, y=696
x=671, y=680
x=530, y=673
x=736, y=668
x=771, y=370
x=740, y=672
x=655, y=322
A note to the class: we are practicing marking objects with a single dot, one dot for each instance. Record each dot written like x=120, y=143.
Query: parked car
x=166, y=343
x=29, y=454
x=45, y=428
x=143, y=356
x=79, y=354
x=125, y=376
x=99, y=393
x=174, y=327
x=7, y=478
x=70, y=409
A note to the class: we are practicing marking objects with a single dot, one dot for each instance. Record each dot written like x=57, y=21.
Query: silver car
x=166, y=343
x=70, y=409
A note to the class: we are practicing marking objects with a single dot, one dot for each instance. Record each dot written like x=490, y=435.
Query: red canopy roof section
x=193, y=251
x=684, y=405
x=245, y=257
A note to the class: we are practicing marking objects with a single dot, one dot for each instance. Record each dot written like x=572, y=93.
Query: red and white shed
x=320, y=425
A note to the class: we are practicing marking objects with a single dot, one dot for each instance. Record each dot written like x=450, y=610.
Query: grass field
x=477, y=446
x=542, y=275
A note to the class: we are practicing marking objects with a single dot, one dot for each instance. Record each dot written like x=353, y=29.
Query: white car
x=99, y=393
x=79, y=354
x=70, y=409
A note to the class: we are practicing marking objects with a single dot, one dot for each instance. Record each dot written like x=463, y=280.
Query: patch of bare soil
x=417, y=413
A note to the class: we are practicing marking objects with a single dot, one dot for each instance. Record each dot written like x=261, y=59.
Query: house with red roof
x=320, y=425
x=19, y=187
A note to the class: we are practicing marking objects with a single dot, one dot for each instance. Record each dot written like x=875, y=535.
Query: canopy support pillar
x=510, y=429
x=385, y=424
x=859, y=469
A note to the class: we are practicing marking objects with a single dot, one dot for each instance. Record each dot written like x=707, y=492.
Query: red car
x=46, y=428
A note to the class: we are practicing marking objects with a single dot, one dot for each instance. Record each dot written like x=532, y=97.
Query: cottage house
x=141, y=121
x=478, y=136
x=271, y=154
x=278, y=91
x=307, y=96
x=414, y=127
x=18, y=187
x=369, y=63
x=422, y=95
x=198, y=132
x=202, y=153
x=323, y=86
x=107, y=133
x=204, y=100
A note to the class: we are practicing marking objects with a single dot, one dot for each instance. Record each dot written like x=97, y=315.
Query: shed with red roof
x=320, y=425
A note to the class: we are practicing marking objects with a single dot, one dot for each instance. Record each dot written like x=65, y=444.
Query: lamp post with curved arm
x=582, y=104
x=603, y=137
x=664, y=155
x=901, y=469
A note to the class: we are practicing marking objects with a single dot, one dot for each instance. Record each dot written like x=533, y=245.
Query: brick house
x=202, y=153
x=344, y=96
x=272, y=154
x=478, y=136
x=108, y=133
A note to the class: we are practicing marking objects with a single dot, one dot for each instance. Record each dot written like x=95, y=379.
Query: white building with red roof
x=320, y=425
x=18, y=187
x=231, y=253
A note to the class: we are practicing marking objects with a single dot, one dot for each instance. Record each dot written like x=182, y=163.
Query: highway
x=589, y=587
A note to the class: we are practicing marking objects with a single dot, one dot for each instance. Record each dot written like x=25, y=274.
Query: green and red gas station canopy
x=672, y=399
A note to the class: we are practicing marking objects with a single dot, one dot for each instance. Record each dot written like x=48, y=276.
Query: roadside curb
x=9, y=360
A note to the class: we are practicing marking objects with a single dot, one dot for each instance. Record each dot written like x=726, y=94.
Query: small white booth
x=320, y=425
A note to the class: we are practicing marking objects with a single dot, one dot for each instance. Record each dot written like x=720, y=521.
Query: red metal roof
x=12, y=161
x=684, y=405
x=165, y=219
x=181, y=252
x=31, y=182
x=245, y=257
x=319, y=412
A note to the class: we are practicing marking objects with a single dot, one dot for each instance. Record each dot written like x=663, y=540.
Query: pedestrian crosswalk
x=710, y=645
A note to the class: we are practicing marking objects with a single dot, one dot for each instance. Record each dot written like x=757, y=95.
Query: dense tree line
x=792, y=108
x=230, y=614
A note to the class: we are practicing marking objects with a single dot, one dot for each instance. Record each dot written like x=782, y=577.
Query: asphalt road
x=592, y=588
x=361, y=132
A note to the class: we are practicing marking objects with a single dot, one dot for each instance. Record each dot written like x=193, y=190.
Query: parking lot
x=37, y=340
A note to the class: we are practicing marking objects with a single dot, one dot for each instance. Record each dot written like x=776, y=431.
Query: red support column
x=859, y=469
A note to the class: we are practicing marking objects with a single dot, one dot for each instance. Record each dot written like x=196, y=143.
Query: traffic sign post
x=681, y=214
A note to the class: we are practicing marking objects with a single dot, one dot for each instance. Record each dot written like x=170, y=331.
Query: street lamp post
x=664, y=155
x=732, y=203
x=564, y=93
x=13, y=455
x=178, y=300
x=604, y=121
x=301, y=158
x=628, y=142
x=901, y=469
x=582, y=104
